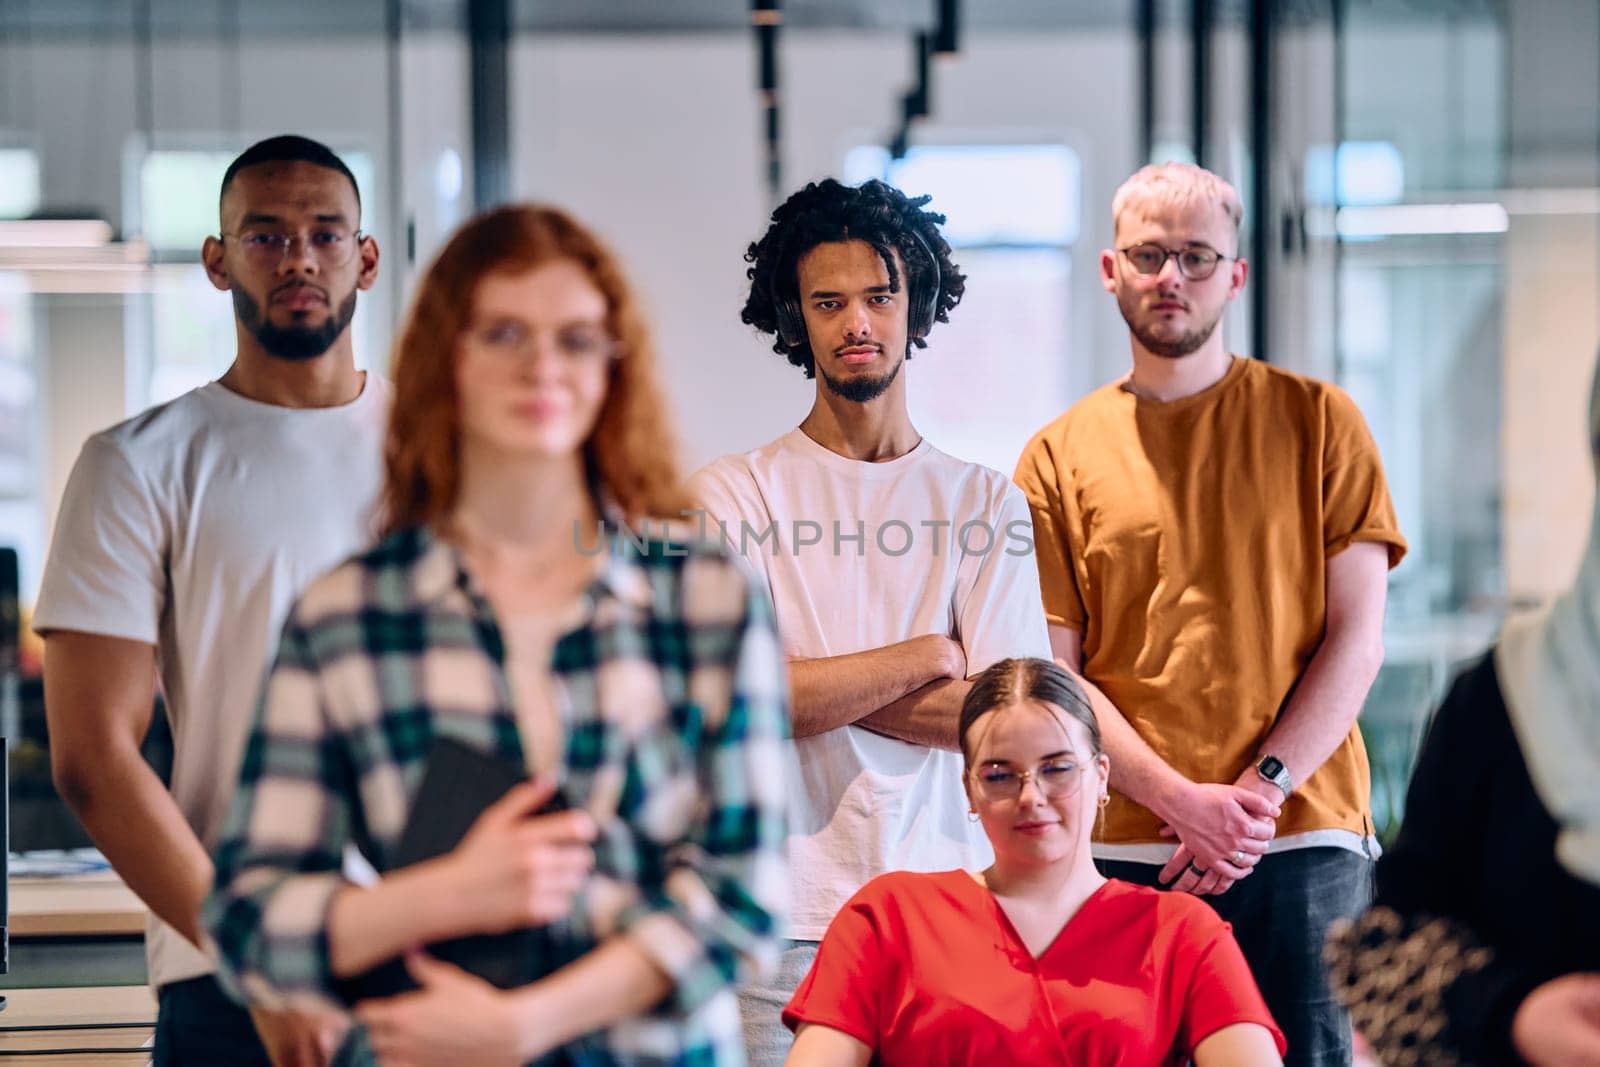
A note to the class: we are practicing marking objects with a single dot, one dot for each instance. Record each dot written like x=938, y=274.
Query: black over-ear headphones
x=923, y=297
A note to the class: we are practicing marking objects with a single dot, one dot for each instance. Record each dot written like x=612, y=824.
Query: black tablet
x=459, y=782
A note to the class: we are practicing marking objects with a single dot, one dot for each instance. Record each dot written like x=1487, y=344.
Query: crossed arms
x=912, y=690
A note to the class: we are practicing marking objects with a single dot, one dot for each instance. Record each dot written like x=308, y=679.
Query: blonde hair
x=1177, y=185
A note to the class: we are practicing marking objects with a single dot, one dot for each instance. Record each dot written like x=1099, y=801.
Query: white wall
x=656, y=141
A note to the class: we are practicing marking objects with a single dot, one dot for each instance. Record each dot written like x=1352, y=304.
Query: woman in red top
x=1038, y=959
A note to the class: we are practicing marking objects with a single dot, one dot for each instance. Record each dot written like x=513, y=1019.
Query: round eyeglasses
x=331, y=246
x=1053, y=779
x=513, y=340
x=1196, y=262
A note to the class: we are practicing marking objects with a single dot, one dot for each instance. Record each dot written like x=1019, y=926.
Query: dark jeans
x=198, y=1025
x=1280, y=915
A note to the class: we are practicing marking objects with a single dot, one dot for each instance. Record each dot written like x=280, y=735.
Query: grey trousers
x=1280, y=916
x=766, y=1039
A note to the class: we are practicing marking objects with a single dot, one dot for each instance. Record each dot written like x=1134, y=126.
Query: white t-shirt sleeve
x=1001, y=614
x=105, y=572
x=717, y=499
x=723, y=517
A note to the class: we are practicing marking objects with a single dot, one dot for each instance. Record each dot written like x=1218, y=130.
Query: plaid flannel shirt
x=673, y=697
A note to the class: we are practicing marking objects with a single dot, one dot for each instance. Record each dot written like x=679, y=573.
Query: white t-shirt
x=192, y=527
x=861, y=803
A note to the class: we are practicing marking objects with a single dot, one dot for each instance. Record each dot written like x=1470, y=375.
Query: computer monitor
x=10, y=716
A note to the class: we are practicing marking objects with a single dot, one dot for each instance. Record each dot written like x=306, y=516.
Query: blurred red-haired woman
x=641, y=673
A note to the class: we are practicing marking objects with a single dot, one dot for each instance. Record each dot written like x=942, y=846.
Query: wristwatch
x=1272, y=769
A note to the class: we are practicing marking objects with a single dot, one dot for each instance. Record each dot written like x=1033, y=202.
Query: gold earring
x=1105, y=798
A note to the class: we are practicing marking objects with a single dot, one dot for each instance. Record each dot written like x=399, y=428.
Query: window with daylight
x=998, y=370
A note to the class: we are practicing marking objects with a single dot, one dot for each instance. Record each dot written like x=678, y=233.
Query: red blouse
x=926, y=968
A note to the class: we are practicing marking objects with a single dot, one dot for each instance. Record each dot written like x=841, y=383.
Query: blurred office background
x=1421, y=181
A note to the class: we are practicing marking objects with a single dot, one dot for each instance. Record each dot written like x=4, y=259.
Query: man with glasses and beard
x=1214, y=537
x=183, y=536
x=898, y=572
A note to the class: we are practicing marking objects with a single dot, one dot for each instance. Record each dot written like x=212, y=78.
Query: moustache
x=280, y=290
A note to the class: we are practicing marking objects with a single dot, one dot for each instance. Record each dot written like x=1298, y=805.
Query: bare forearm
x=1238, y=1045
x=368, y=925
x=615, y=981
x=928, y=716
x=816, y=1045
x=839, y=690
x=1328, y=698
x=1325, y=705
x=1136, y=770
x=132, y=818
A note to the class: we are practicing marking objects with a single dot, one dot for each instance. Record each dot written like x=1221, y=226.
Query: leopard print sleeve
x=1394, y=973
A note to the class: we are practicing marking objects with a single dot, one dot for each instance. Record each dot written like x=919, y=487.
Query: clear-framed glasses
x=576, y=345
x=330, y=246
x=1196, y=262
x=1054, y=778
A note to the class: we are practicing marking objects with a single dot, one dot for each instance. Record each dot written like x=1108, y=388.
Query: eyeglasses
x=1054, y=779
x=330, y=246
x=1196, y=262
x=577, y=346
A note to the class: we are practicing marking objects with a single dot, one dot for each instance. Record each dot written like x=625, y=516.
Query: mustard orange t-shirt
x=1187, y=542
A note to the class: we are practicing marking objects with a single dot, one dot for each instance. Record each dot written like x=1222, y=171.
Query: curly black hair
x=825, y=211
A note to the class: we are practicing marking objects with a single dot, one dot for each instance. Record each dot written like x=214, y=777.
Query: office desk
x=79, y=905
x=81, y=930
x=106, y=1025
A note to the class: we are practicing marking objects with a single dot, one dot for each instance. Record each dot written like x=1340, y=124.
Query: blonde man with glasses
x=1213, y=538
x=183, y=536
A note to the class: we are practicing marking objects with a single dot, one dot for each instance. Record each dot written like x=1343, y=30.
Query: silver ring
x=1238, y=856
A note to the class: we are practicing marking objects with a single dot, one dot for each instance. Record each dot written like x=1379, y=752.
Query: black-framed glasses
x=1054, y=778
x=1195, y=262
x=330, y=246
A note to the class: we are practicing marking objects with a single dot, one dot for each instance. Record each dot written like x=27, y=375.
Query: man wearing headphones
x=898, y=571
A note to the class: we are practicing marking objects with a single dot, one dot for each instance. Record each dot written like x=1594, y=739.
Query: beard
x=1167, y=345
x=862, y=389
x=293, y=343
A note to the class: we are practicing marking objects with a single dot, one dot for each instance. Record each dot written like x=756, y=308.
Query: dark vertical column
x=1260, y=212
x=144, y=88
x=766, y=18
x=11, y=716
x=919, y=101
x=393, y=26
x=489, y=37
x=947, y=30
x=1203, y=16
x=1145, y=26
x=1337, y=10
x=5, y=859
x=232, y=38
